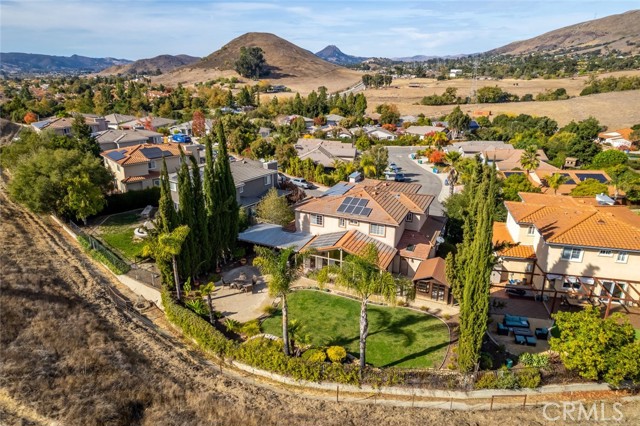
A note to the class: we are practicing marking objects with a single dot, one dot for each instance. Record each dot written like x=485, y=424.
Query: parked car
x=394, y=167
x=181, y=138
x=399, y=177
x=302, y=183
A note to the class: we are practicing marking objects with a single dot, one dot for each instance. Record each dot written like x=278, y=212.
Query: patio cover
x=269, y=235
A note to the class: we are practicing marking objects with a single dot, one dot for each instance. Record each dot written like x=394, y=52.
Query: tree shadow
x=418, y=354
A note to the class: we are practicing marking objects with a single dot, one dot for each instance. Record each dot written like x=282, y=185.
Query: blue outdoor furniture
x=542, y=333
x=520, y=340
x=513, y=321
x=531, y=341
x=502, y=330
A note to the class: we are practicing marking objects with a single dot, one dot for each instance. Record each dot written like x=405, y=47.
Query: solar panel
x=357, y=210
x=363, y=202
x=366, y=211
x=569, y=181
x=347, y=200
x=597, y=176
x=152, y=153
x=116, y=155
x=507, y=174
x=341, y=208
x=349, y=209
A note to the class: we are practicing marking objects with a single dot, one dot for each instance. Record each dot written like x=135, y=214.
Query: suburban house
x=509, y=159
x=62, y=125
x=472, y=148
x=574, y=177
x=391, y=215
x=114, y=139
x=253, y=179
x=325, y=152
x=150, y=123
x=333, y=119
x=421, y=131
x=617, y=138
x=115, y=120
x=138, y=167
x=382, y=134
x=187, y=127
x=568, y=250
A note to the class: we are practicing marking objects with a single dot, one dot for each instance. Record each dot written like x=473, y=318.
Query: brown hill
x=164, y=63
x=620, y=32
x=290, y=65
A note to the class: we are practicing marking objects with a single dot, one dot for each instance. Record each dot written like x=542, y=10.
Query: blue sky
x=136, y=29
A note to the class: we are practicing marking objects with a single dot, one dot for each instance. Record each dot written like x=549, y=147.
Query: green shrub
x=269, y=310
x=336, y=353
x=250, y=328
x=198, y=306
x=486, y=362
x=506, y=379
x=487, y=381
x=529, y=378
x=314, y=355
x=110, y=260
x=232, y=325
x=534, y=360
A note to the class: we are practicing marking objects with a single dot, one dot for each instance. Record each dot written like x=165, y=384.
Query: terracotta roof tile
x=135, y=155
x=432, y=268
x=353, y=242
x=414, y=245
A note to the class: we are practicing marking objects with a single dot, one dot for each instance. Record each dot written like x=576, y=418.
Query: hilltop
x=164, y=63
x=289, y=65
x=621, y=32
x=334, y=55
x=33, y=63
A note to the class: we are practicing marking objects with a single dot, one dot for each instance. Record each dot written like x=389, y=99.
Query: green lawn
x=117, y=232
x=397, y=337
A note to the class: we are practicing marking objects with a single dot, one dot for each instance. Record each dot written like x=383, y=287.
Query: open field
x=397, y=337
x=71, y=357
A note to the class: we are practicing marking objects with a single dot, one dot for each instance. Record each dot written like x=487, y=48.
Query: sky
x=136, y=29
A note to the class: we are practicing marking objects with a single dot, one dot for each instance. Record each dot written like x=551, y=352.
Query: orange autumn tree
x=30, y=117
x=436, y=157
x=198, y=126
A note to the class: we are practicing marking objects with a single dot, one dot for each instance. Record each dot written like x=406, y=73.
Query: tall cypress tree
x=166, y=221
x=200, y=230
x=227, y=193
x=474, y=272
x=212, y=204
x=186, y=215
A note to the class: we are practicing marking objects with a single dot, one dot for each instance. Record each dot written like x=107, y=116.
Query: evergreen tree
x=188, y=256
x=226, y=190
x=201, y=227
x=166, y=221
x=212, y=204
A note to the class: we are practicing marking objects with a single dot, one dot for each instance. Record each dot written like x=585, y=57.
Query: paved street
x=431, y=184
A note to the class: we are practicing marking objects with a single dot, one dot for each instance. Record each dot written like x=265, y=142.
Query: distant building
x=453, y=73
x=325, y=152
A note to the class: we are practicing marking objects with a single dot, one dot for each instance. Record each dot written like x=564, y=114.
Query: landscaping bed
x=118, y=233
x=398, y=337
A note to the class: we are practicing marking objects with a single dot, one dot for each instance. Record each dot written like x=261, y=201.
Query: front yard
x=398, y=337
x=117, y=232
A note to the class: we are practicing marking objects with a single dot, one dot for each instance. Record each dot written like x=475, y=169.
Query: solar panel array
x=597, y=176
x=570, y=180
x=507, y=174
x=355, y=206
x=152, y=153
x=116, y=155
x=339, y=189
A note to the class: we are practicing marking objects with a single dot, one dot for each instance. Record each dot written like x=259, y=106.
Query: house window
x=341, y=223
x=241, y=189
x=267, y=180
x=152, y=164
x=606, y=253
x=572, y=254
x=317, y=219
x=531, y=230
x=375, y=229
x=156, y=182
x=173, y=186
x=409, y=217
x=529, y=267
x=622, y=257
x=117, y=167
x=353, y=222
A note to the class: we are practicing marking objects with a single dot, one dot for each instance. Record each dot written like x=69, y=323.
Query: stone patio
x=509, y=342
x=237, y=304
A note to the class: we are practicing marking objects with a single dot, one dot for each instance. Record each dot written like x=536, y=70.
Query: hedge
x=118, y=203
x=110, y=260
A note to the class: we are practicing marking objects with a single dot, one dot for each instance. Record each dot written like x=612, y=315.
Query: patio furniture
x=522, y=332
x=513, y=321
x=520, y=340
x=502, y=330
x=518, y=292
x=542, y=333
x=247, y=288
x=531, y=341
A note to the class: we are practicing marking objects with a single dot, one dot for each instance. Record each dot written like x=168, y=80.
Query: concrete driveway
x=431, y=184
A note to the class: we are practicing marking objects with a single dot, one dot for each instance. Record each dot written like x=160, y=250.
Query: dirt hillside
x=164, y=63
x=290, y=65
x=620, y=32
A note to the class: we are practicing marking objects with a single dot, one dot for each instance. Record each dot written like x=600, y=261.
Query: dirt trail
x=70, y=356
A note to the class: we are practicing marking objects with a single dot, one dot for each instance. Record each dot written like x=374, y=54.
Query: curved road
x=430, y=184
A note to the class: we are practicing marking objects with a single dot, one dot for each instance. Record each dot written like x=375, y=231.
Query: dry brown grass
x=70, y=357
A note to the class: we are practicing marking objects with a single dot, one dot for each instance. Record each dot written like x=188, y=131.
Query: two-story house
x=571, y=249
x=114, y=139
x=253, y=179
x=138, y=167
x=63, y=125
x=392, y=215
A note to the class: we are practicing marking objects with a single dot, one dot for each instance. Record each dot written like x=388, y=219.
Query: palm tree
x=206, y=291
x=368, y=165
x=360, y=274
x=451, y=159
x=555, y=180
x=282, y=272
x=529, y=159
x=167, y=247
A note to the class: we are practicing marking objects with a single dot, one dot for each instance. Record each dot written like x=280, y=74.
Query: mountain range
x=14, y=62
x=162, y=63
x=334, y=55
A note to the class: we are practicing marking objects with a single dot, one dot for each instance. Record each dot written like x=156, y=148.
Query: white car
x=302, y=183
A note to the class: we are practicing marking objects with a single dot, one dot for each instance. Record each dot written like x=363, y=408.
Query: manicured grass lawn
x=397, y=337
x=117, y=232
x=637, y=333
